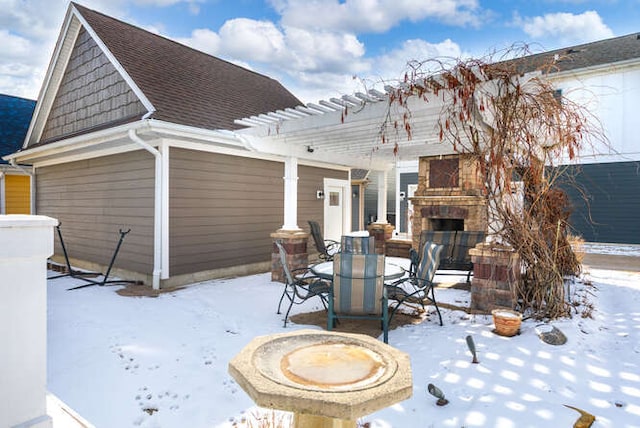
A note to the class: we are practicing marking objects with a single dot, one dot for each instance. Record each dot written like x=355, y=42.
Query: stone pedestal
x=326, y=390
x=398, y=248
x=382, y=232
x=496, y=272
x=25, y=243
x=295, y=244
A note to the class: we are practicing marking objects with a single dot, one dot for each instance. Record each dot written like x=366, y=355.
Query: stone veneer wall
x=382, y=232
x=295, y=244
x=464, y=200
x=469, y=177
x=496, y=273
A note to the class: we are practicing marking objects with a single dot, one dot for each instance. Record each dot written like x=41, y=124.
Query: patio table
x=394, y=268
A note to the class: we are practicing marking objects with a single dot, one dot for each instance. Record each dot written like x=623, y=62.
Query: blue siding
x=606, y=201
x=355, y=207
x=405, y=180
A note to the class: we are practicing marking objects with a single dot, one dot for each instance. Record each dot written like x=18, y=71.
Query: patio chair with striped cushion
x=358, y=290
x=419, y=287
x=358, y=244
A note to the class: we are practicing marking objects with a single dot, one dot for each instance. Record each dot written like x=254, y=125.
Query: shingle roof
x=15, y=115
x=359, y=174
x=609, y=51
x=187, y=86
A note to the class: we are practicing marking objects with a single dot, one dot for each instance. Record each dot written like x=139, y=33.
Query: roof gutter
x=71, y=143
x=157, y=208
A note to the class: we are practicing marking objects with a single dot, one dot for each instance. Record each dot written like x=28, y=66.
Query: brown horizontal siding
x=93, y=199
x=222, y=210
x=311, y=179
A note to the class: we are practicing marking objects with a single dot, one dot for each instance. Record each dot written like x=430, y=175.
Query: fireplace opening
x=444, y=224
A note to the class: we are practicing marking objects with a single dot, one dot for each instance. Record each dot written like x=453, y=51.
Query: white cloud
x=393, y=65
x=373, y=15
x=193, y=5
x=288, y=49
x=29, y=32
x=34, y=18
x=13, y=46
x=252, y=40
x=311, y=87
x=29, y=29
x=325, y=51
x=160, y=3
x=22, y=65
x=313, y=63
x=310, y=63
x=567, y=28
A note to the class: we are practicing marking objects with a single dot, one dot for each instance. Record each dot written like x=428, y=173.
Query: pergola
x=348, y=131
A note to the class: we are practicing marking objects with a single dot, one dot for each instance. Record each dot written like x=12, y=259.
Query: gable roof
x=175, y=83
x=184, y=85
x=601, y=52
x=15, y=115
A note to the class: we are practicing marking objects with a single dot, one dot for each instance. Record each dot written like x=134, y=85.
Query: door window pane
x=334, y=199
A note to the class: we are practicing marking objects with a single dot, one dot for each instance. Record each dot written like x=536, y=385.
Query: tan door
x=17, y=194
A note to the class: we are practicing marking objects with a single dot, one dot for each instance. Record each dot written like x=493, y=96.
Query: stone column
x=26, y=243
x=295, y=243
x=496, y=273
x=382, y=232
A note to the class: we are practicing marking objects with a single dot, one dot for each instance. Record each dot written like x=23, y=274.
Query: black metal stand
x=70, y=271
x=83, y=275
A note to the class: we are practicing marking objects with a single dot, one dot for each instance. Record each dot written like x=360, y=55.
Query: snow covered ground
x=617, y=249
x=162, y=362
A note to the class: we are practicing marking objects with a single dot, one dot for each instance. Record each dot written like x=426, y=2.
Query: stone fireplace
x=448, y=196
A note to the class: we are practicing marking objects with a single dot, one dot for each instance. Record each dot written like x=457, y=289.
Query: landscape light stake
x=436, y=392
x=472, y=348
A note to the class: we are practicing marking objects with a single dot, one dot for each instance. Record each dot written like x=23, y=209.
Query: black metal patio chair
x=327, y=248
x=418, y=286
x=300, y=284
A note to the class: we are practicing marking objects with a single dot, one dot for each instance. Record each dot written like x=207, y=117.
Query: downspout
x=32, y=186
x=157, y=206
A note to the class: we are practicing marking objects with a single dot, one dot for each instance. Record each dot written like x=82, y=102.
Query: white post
x=397, y=207
x=382, y=197
x=25, y=244
x=291, y=194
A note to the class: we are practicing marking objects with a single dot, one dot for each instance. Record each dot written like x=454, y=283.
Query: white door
x=337, y=208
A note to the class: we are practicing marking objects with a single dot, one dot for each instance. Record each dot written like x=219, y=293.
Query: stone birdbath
x=327, y=379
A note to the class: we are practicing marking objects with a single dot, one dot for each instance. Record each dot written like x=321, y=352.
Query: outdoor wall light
x=310, y=149
x=319, y=194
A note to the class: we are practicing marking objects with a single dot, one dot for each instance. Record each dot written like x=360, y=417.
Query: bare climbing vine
x=519, y=129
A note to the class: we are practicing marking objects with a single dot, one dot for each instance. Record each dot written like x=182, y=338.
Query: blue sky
x=317, y=47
